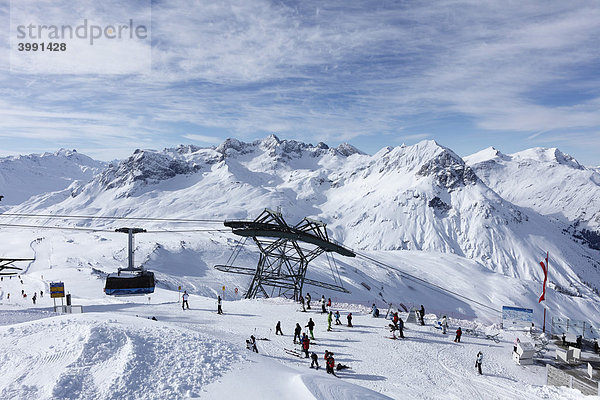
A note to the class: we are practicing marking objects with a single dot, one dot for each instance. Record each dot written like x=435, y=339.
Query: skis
x=294, y=353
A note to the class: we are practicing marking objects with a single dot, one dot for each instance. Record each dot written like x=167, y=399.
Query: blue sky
x=469, y=74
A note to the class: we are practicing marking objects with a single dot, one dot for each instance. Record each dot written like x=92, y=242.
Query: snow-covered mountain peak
x=547, y=155
x=428, y=158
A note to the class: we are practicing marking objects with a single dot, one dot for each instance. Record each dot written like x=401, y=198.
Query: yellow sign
x=57, y=289
x=179, y=288
x=223, y=288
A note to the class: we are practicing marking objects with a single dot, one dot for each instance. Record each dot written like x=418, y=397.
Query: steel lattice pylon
x=283, y=261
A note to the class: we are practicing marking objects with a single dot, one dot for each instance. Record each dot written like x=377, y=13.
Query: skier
x=251, y=344
x=458, y=335
x=564, y=339
x=41, y=293
x=328, y=303
x=422, y=315
x=305, y=344
x=308, y=300
x=479, y=361
x=302, y=303
x=349, y=318
x=34, y=298
x=337, y=318
x=219, y=309
x=311, y=326
x=515, y=344
x=329, y=319
x=444, y=324
x=278, y=329
x=374, y=311
x=395, y=320
x=579, y=342
x=401, y=327
x=8, y=296
x=314, y=363
x=185, y=300
x=297, y=331
x=323, y=310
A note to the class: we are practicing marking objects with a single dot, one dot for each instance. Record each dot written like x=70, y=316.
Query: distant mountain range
x=503, y=211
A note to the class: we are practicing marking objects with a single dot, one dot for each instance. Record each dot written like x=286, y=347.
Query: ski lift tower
x=285, y=252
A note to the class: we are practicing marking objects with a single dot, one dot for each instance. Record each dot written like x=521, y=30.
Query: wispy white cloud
x=203, y=138
x=331, y=72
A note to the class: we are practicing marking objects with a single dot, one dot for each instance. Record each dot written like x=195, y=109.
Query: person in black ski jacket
x=478, y=362
x=278, y=329
x=297, y=332
x=314, y=360
x=311, y=326
x=308, y=301
x=422, y=315
x=349, y=318
x=401, y=327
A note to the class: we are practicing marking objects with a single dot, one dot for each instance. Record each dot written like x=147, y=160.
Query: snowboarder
x=278, y=329
x=444, y=324
x=401, y=327
x=314, y=360
x=329, y=320
x=479, y=361
x=515, y=344
x=302, y=303
x=219, y=309
x=251, y=344
x=185, y=300
x=337, y=318
x=422, y=315
x=458, y=335
x=349, y=318
x=323, y=310
x=305, y=344
x=311, y=326
x=34, y=298
x=297, y=331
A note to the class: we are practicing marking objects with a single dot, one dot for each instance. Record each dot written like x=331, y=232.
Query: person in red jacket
x=330, y=364
x=395, y=320
x=305, y=344
x=458, y=335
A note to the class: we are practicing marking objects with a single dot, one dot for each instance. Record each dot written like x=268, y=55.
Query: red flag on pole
x=545, y=269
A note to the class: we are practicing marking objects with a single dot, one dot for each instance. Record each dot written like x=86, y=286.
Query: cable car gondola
x=137, y=281
x=120, y=284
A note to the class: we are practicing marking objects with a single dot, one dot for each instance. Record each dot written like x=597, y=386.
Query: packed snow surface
x=114, y=350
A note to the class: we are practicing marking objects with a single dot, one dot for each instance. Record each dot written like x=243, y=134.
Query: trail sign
x=57, y=289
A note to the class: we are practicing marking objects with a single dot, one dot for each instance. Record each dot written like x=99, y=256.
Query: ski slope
x=114, y=350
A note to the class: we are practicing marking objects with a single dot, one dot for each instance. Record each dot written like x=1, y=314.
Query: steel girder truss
x=283, y=262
